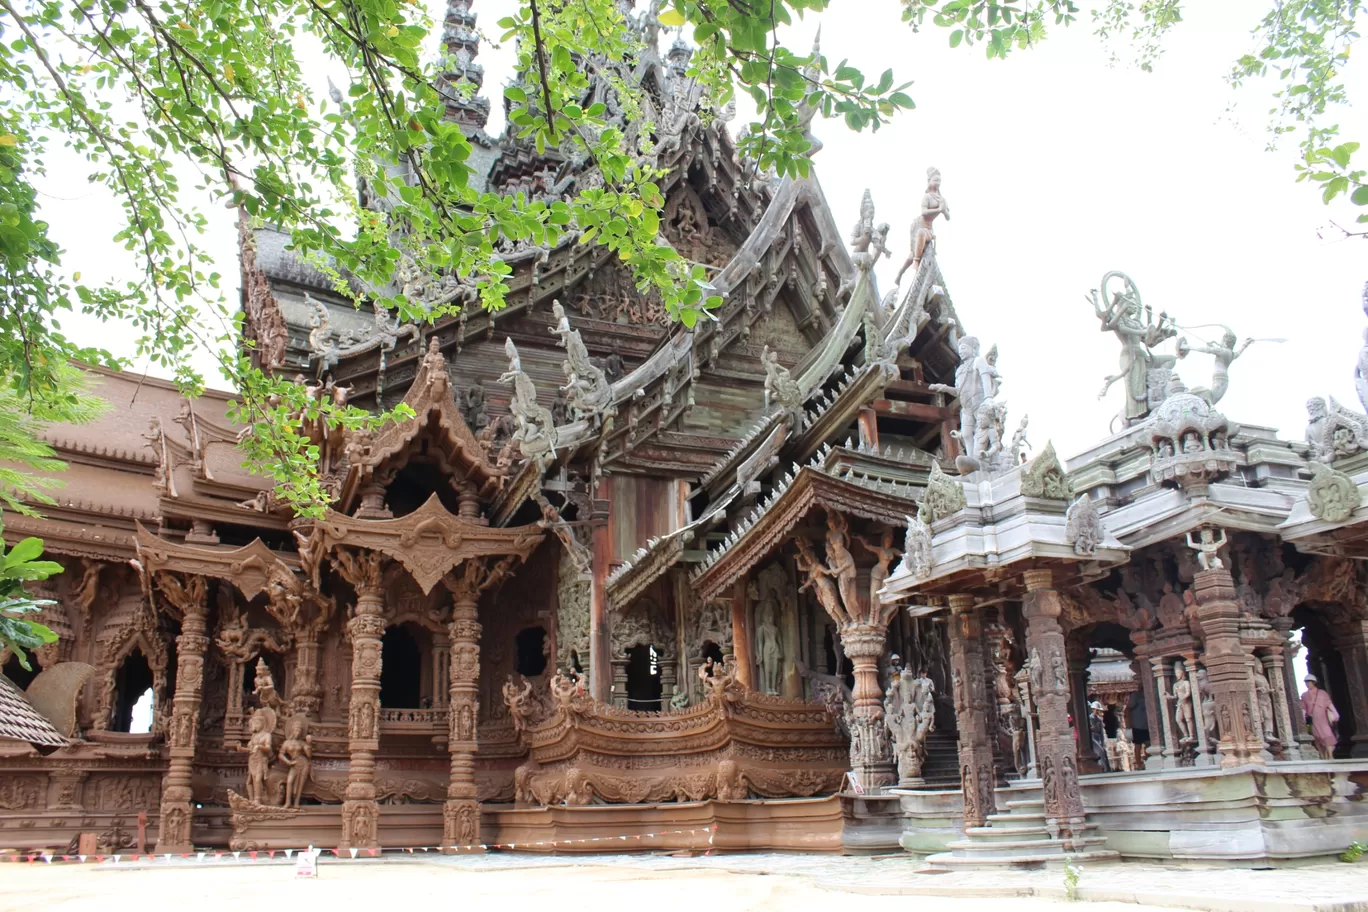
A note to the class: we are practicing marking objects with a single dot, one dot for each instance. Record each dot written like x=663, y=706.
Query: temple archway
x=1327, y=663
x=133, y=683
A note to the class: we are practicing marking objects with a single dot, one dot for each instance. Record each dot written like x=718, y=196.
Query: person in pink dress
x=1321, y=715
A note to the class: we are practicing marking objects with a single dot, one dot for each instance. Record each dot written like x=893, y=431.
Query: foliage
x=1303, y=44
x=20, y=565
x=144, y=88
x=1073, y=873
x=22, y=450
x=1354, y=852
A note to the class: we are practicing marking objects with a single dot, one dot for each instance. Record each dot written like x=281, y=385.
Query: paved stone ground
x=664, y=884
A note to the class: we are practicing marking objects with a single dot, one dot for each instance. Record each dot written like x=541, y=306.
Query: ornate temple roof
x=20, y=721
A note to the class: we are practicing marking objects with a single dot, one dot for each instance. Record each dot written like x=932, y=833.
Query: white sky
x=1057, y=169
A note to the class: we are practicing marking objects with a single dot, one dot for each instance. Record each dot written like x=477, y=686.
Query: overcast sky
x=1057, y=168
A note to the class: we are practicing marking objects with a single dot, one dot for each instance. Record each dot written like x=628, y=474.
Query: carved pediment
x=428, y=542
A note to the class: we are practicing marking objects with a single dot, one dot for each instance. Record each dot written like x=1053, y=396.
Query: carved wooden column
x=1227, y=665
x=619, y=692
x=1351, y=635
x=970, y=686
x=1169, y=754
x=306, y=694
x=871, y=751
x=1055, y=742
x=1273, y=670
x=461, y=814
x=177, y=812
x=1154, y=750
x=360, y=814
x=741, y=637
x=1288, y=686
x=1079, y=656
x=1198, y=717
x=600, y=626
x=441, y=671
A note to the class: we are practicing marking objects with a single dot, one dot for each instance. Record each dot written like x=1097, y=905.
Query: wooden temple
x=783, y=574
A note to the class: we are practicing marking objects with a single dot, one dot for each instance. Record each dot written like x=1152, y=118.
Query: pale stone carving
x=1334, y=432
x=1189, y=440
x=1332, y=496
x=329, y=345
x=1208, y=548
x=868, y=241
x=909, y=714
x=1140, y=366
x=932, y=205
x=1223, y=353
x=944, y=496
x=1083, y=526
x=536, y=431
x=974, y=379
x=1182, y=700
x=768, y=652
x=1044, y=477
x=780, y=387
x=918, y=560
x=587, y=387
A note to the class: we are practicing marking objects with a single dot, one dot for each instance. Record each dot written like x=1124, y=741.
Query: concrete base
x=931, y=820
x=872, y=823
x=320, y=825
x=1264, y=813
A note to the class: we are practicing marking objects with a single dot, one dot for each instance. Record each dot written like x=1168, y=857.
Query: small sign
x=306, y=863
x=854, y=781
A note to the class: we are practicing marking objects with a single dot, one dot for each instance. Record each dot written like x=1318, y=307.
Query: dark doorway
x=1326, y=662
x=132, y=685
x=21, y=676
x=643, y=679
x=531, y=654
x=401, y=669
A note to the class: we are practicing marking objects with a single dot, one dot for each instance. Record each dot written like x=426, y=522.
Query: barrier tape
x=346, y=854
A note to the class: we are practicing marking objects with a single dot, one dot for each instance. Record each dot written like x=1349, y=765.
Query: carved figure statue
x=1264, y=696
x=918, y=558
x=260, y=753
x=1334, y=431
x=476, y=412
x=932, y=205
x=1138, y=334
x=1208, y=706
x=768, y=652
x=907, y=723
x=886, y=554
x=840, y=562
x=780, y=387
x=519, y=703
x=1017, y=448
x=1082, y=526
x=868, y=242
x=1182, y=700
x=1208, y=548
x=1224, y=353
x=587, y=389
x=536, y=432
x=819, y=579
x=296, y=752
x=973, y=379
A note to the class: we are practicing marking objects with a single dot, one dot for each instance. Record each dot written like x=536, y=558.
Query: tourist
x=1098, y=734
x=1138, y=714
x=1321, y=715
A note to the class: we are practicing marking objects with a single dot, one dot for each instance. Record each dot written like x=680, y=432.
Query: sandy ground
x=403, y=886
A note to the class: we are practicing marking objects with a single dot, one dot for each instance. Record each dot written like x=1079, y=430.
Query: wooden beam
x=915, y=410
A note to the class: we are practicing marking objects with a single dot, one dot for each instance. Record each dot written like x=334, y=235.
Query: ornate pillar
x=1142, y=674
x=669, y=677
x=600, y=626
x=461, y=814
x=441, y=672
x=360, y=814
x=1064, y=815
x=1291, y=694
x=970, y=685
x=1198, y=717
x=177, y=813
x=1227, y=665
x=871, y=752
x=741, y=636
x=1169, y=755
x=1079, y=656
x=620, y=664
x=1273, y=670
x=1351, y=636
x=306, y=696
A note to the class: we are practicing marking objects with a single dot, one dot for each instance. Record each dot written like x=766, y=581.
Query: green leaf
x=672, y=18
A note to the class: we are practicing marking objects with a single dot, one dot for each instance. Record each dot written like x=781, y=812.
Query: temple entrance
x=21, y=676
x=133, y=689
x=1326, y=662
x=643, y=678
x=401, y=669
x=530, y=645
x=1105, y=692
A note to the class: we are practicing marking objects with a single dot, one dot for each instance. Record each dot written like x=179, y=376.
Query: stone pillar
x=619, y=693
x=177, y=812
x=1064, y=814
x=1227, y=665
x=1154, y=749
x=741, y=636
x=1352, y=639
x=871, y=751
x=461, y=814
x=360, y=814
x=1169, y=736
x=970, y=685
x=1273, y=670
x=306, y=694
x=600, y=625
x=669, y=678
x=1291, y=694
